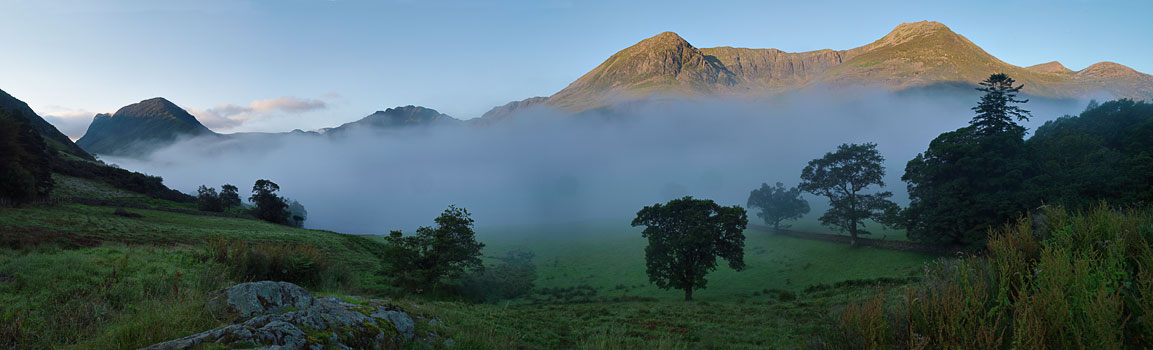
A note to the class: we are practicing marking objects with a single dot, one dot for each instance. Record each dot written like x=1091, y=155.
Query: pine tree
x=994, y=114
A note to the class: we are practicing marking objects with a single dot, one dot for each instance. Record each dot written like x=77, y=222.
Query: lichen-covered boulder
x=283, y=316
x=245, y=300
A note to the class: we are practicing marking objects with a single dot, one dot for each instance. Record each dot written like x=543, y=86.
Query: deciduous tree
x=842, y=177
x=686, y=236
x=778, y=204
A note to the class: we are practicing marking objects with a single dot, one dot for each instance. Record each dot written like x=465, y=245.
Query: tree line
x=267, y=204
x=983, y=175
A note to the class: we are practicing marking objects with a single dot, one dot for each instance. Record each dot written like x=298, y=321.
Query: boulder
x=246, y=300
x=284, y=316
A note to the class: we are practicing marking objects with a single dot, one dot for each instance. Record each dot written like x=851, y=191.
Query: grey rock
x=400, y=320
x=245, y=300
x=283, y=316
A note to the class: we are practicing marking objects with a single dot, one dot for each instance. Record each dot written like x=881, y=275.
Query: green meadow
x=609, y=257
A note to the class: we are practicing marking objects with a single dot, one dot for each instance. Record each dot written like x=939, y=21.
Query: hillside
x=914, y=55
x=134, y=129
x=54, y=138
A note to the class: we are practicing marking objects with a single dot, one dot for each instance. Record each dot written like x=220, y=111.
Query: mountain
x=54, y=138
x=913, y=55
x=396, y=118
x=136, y=128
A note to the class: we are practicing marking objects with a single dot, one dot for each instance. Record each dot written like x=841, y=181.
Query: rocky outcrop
x=280, y=315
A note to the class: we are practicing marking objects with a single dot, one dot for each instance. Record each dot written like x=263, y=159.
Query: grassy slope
x=77, y=276
x=83, y=225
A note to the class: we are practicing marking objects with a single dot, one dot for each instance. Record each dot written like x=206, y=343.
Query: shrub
x=302, y=264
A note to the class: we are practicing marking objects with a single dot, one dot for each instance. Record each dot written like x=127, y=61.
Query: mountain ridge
x=912, y=55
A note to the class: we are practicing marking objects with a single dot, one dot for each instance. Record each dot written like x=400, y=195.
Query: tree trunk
x=853, y=236
x=689, y=294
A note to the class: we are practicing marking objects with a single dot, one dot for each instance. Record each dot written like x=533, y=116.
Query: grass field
x=783, y=300
x=609, y=256
x=77, y=276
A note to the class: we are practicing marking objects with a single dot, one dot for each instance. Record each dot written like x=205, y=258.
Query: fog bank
x=543, y=167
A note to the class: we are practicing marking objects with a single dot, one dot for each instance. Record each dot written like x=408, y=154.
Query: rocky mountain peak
x=912, y=31
x=156, y=107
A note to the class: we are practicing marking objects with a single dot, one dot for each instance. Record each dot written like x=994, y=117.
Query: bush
x=303, y=264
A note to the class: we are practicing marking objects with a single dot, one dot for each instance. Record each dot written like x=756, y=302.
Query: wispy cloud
x=225, y=117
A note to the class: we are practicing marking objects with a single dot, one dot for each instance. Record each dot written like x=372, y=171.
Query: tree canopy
x=1105, y=153
x=686, y=236
x=842, y=177
x=778, y=204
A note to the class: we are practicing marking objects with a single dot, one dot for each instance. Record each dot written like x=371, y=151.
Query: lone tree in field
x=207, y=199
x=842, y=176
x=425, y=259
x=686, y=236
x=229, y=197
x=971, y=178
x=269, y=206
x=778, y=204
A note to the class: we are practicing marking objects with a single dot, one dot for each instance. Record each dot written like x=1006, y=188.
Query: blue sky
x=265, y=65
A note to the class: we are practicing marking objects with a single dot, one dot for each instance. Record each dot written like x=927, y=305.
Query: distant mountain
x=137, y=128
x=53, y=137
x=914, y=55
x=396, y=118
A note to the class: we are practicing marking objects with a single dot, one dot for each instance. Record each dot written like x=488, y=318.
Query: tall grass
x=102, y=298
x=300, y=263
x=1063, y=280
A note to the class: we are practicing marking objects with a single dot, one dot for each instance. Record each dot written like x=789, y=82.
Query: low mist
x=544, y=167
